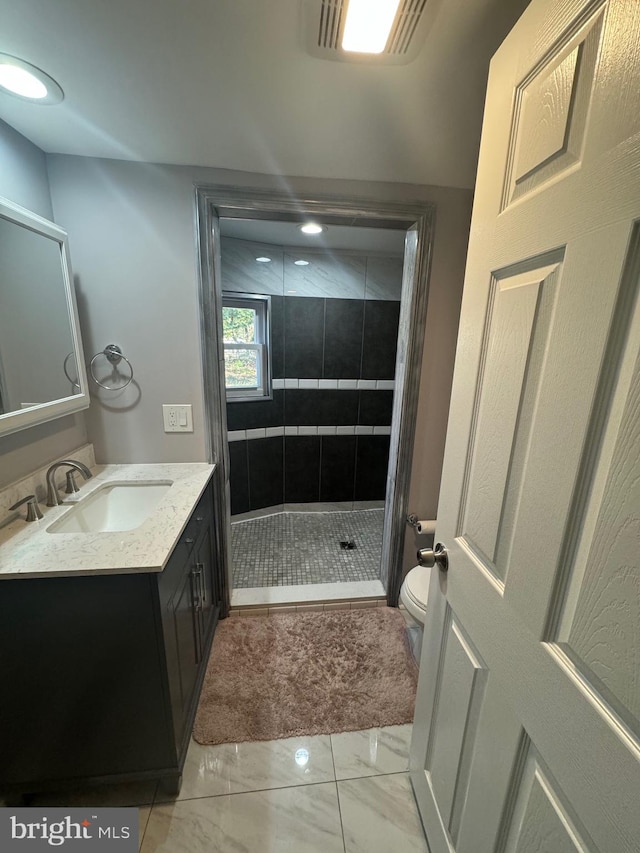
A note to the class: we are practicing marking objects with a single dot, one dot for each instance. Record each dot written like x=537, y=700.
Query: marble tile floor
x=342, y=793
x=292, y=548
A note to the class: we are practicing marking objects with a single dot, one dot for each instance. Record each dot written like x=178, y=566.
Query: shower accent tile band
x=274, y=432
x=334, y=384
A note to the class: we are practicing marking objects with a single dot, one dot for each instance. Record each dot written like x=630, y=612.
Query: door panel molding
x=539, y=269
x=550, y=109
x=541, y=819
x=459, y=700
x=515, y=784
x=596, y=697
x=596, y=601
x=521, y=309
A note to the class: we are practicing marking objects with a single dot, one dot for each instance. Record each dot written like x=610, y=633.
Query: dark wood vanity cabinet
x=101, y=674
x=190, y=596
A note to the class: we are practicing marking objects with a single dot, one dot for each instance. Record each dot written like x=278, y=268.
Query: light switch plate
x=177, y=417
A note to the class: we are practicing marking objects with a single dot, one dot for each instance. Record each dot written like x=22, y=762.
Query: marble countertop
x=27, y=549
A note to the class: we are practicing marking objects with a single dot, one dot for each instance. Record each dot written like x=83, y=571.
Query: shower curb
x=316, y=607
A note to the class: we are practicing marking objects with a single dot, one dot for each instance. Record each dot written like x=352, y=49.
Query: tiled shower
x=323, y=440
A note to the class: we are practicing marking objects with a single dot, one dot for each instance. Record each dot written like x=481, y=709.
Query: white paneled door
x=527, y=732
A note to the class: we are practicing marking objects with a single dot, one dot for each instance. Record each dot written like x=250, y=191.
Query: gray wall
x=23, y=172
x=131, y=230
x=443, y=314
x=23, y=180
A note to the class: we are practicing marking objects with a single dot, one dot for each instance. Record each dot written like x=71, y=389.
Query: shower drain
x=348, y=545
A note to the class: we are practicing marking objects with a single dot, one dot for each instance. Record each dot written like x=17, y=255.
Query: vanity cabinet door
x=189, y=595
x=190, y=605
x=209, y=600
x=188, y=635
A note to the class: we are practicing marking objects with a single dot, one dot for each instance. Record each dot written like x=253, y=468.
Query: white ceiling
x=229, y=83
x=340, y=237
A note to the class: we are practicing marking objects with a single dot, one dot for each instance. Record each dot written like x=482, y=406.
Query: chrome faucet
x=53, y=498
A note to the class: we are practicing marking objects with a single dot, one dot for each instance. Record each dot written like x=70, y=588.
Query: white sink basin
x=114, y=506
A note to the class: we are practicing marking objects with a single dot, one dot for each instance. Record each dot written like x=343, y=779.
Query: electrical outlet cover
x=177, y=417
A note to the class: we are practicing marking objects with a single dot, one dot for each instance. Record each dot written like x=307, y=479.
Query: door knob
x=434, y=557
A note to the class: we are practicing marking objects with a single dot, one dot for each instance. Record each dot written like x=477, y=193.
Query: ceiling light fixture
x=368, y=25
x=23, y=80
x=301, y=263
x=301, y=757
x=263, y=260
x=311, y=228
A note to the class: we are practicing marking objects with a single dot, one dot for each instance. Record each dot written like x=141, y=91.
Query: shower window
x=245, y=335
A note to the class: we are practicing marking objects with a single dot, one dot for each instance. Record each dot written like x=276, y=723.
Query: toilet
x=414, y=595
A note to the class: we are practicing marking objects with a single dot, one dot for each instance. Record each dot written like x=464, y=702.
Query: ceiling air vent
x=323, y=22
x=330, y=25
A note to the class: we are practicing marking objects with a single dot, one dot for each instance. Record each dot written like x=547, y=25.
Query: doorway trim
x=418, y=219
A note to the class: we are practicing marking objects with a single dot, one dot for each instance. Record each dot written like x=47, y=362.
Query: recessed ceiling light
x=368, y=25
x=311, y=228
x=263, y=260
x=23, y=80
x=301, y=263
x=302, y=757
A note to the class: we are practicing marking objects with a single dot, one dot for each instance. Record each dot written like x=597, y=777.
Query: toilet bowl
x=414, y=595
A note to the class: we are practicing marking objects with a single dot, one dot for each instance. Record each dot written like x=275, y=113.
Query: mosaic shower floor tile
x=289, y=548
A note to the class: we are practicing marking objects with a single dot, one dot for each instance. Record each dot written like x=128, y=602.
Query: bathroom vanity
x=105, y=636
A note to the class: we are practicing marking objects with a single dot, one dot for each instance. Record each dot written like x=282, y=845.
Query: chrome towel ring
x=114, y=356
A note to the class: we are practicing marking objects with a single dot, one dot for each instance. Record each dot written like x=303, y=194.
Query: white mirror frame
x=18, y=420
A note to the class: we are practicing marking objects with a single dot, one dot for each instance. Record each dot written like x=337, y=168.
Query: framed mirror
x=42, y=372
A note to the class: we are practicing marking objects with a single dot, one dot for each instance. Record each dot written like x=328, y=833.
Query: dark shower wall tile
x=277, y=337
x=337, y=467
x=337, y=408
x=320, y=408
x=302, y=469
x=265, y=472
x=343, y=338
x=238, y=477
x=380, y=339
x=303, y=336
x=262, y=413
x=300, y=407
x=375, y=408
x=372, y=459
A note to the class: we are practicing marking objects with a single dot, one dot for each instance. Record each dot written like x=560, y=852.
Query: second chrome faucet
x=53, y=498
